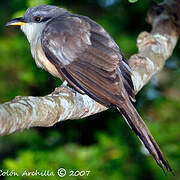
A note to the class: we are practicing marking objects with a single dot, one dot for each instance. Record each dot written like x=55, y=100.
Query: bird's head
x=35, y=19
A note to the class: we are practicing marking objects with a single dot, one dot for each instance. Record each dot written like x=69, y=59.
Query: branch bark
x=154, y=49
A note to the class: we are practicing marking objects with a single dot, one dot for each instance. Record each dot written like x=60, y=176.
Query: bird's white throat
x=33, y=32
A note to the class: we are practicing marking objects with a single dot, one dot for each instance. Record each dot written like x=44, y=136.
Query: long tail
x=138, y=126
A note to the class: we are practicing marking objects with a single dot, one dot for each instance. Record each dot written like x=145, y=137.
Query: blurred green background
x=102, y=143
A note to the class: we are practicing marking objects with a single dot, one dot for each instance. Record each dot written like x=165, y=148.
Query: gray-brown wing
x=88, y=58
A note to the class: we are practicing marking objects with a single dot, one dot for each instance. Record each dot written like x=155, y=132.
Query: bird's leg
x=65, y=83
x=61, y=88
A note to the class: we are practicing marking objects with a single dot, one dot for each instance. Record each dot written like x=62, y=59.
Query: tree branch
x=153, y=50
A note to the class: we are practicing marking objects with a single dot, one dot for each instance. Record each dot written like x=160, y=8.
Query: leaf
x=132, y=1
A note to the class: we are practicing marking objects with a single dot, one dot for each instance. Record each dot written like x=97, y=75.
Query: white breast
x=33, y=33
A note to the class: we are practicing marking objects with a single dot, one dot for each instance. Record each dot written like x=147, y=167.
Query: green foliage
x=32, y=3
x=102, y=143
x=103, y=161
x=132, y=1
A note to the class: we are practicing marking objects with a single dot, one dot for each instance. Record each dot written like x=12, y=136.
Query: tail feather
x=138, y=126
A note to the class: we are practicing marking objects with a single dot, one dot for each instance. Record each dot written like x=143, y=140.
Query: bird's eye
x=37, y=18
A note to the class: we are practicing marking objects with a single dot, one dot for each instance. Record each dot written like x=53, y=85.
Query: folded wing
x=88, y=58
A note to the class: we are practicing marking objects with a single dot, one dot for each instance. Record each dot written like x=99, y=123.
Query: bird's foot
x=63, y=89
x=59, y=90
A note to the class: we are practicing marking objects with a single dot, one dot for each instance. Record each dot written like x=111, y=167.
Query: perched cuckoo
x=76, y=49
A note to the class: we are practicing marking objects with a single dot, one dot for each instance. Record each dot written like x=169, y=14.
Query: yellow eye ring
x=37, y=19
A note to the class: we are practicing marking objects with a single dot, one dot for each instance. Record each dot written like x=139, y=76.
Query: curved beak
x=16, y=22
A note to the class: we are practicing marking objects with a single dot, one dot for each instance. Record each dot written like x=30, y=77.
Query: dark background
x=102, y=143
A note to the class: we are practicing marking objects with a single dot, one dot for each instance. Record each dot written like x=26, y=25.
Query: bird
x=81, y=52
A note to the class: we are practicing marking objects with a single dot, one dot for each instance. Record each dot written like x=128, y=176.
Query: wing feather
x=88, y=58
